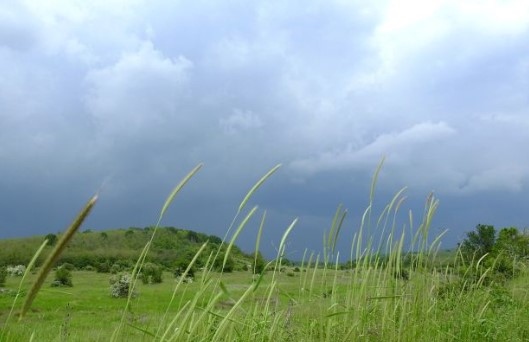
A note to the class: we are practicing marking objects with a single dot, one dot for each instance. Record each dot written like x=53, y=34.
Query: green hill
x=102, y=249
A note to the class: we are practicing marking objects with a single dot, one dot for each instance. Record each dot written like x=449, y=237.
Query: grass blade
x=176, y=190
x=256, y=186
x=54, y=256
x=236, y=234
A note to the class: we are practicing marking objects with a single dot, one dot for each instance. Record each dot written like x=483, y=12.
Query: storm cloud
x=126, y=97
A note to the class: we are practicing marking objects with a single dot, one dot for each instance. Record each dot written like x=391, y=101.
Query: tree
x=479, y=242
x=52, y=239
x=512, y=243
x=499, y=254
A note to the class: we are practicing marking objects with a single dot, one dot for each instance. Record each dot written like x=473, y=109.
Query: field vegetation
x=168, y=284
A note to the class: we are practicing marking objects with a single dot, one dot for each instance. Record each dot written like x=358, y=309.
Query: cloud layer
x=133, y=94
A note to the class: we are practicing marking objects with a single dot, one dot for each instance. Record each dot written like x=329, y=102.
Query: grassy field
x=315, y=305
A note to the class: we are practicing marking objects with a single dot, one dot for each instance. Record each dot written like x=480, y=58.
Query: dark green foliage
x=103, y=267
x=478, y=242
x=68, y=266
x=151, y=273
x=181, y=266
x=489, y=259
x=63, y=277
x=402, y=274
x=214, y=239
x=3, y=275
x=101, y=250
x=115, y=269
x=228, y=267
x=258, y=263
x=52, y=239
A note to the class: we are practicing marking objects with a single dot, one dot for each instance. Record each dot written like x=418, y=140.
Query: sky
x=125, y=97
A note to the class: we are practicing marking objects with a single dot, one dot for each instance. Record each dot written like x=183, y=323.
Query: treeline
x=120, y=248
x=485, y=254
x=501, y=254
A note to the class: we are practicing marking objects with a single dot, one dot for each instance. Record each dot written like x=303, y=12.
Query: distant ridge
x=92, y=248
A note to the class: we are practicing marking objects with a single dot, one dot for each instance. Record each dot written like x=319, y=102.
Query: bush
x=218, y=263
x=63, y=277
x=52, y=239
x=259, y=263
x=115, y=269
x=181, y=266
x=16, y=271
x=103, y=267
x=151, y=274
x=3, y=275
x=68, y=266
x=120, y=285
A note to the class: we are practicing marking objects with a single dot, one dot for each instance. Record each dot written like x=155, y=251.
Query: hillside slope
x=122, y=246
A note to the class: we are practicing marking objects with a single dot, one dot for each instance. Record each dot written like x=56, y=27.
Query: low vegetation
x=395, y=287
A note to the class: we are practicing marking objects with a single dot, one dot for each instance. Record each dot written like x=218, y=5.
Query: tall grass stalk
x=141, y=259
x=56, y=252
x=29, y=268
x=240, y=208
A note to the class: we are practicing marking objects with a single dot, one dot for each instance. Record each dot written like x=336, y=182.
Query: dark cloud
x=128, y=99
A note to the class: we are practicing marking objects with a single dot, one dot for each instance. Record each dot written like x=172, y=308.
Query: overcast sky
x=128, y=96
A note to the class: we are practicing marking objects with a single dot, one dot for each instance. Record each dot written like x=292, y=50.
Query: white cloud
x=240, y=120
x=502, y=177
x=401, y=147
x=140, y=90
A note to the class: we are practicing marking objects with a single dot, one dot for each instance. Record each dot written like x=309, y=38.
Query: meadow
x=313, y=304
x=386, y=292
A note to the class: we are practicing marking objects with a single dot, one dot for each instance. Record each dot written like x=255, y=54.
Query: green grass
x=342, y=306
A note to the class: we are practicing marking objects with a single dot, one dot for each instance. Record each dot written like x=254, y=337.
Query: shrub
x=52, y=239
x=3, y=275
x=151, y=274
x=120, y=285
x=218, y=263
x=181, y=266
x=115, y=269
x=103, y=267
x=63, y=277
x=16, y=271
x=402, y=274
x=259, y=263
x=68, y=266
